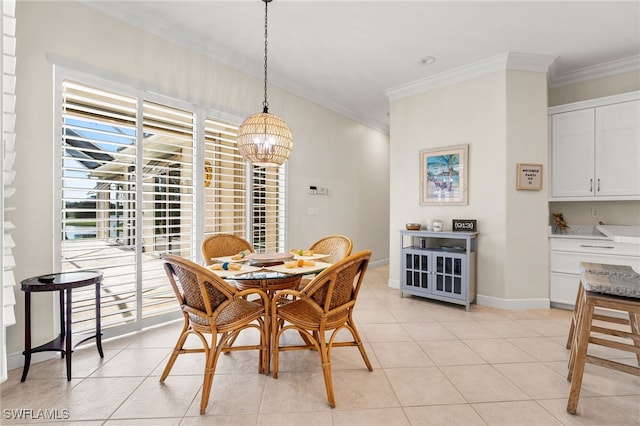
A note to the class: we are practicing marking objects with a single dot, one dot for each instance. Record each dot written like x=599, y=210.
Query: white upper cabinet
x=595, y=149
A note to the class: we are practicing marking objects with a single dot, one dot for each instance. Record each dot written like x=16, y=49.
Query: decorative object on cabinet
x=439, y=265
x=443, y=175
x=413, y=226
x=529, y=176
x=464, y=225
x=265, y=139
x=595, y=149
x=560, y=223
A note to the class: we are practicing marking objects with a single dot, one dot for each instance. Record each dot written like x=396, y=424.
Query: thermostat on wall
x=464, y=225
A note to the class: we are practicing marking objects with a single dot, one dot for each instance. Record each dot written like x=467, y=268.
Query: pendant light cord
x=265, y=104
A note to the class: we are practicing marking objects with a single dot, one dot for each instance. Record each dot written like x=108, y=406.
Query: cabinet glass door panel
x=448, y=275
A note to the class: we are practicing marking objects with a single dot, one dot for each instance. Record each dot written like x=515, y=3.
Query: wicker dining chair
x=325, y=305
x=211, y=306
x=336, y=246
x=220, y=245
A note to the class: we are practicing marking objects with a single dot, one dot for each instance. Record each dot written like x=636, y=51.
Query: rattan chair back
x=212, y=306
x=221, y=245
x=337, y=246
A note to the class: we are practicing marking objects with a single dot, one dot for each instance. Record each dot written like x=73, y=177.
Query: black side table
x=64, y=283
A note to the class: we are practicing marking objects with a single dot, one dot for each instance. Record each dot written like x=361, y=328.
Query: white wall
x=502, y=116
x=329, y=150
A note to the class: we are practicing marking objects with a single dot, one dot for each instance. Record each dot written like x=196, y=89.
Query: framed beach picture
x=444, y=175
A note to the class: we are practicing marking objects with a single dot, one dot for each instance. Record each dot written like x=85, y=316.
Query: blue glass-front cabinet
x=439, y=265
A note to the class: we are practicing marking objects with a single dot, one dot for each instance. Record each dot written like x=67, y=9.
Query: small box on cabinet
x=464, y=225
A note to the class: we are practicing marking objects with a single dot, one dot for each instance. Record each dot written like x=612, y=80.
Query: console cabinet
x=439, y=265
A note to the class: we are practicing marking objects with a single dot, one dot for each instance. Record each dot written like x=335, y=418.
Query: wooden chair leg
x=579, y=296
x=326, y=369
x=177, y=350
x=635, y=331
x=583, y=327
x=358, y=341
x=209, y=369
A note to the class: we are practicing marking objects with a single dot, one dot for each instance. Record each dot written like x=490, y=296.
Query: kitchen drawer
x=597, y=246
x=569, y=263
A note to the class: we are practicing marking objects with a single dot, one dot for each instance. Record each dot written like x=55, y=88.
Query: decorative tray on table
x=267, y=259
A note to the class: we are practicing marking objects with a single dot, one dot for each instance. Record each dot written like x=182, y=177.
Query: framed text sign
x=529, y=176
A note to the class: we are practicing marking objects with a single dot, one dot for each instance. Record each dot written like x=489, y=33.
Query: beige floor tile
x=372, y=316
x=497, y=351
x=515, y=413
x=469, y=330
x=294, y=392
x=159, y=400
x=232, y=394
x=295, y=419
x=371, y=417
x=359, y=389
x=438, y=415
x=548, y=327
x=483, y=383
x=385, y=333
x=144, y=422
x=425, y=331
x=451, y=352
x=400, y=354
x=536, y=379
x=629, y=405
x=509, y=328
x=23, y=399
x=427, y=363
x=97, y=398
x=542, y=348
x=349, y=358
x=423, y=386
x=132, y=362
x=411, y=315
x=239, y=420
x=591, y=411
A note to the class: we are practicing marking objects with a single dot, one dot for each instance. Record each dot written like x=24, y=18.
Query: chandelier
x=264, y=139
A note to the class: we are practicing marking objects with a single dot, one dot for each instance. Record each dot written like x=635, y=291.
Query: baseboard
x=16, y=360
x=378, y=263
x=394, y=283
x=512, y=304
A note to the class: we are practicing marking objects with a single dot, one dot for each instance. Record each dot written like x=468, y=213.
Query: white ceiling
x=345, y=55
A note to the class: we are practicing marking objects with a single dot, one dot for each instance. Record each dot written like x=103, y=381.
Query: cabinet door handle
x=590, y=185
x=600, y=247
x=598, y=184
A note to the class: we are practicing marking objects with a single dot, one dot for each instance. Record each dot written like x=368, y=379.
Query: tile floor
x=434, y=364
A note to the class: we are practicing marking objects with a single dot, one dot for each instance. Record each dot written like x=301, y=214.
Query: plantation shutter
x=98, y=223
x=7, y=130
x=225, y=182
x=168, y=203
x=267, y=209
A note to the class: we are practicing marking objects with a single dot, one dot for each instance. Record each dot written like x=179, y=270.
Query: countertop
x=615, y=233
x=621, y=234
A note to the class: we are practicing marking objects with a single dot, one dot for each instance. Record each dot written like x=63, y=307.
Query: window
x=141, y=177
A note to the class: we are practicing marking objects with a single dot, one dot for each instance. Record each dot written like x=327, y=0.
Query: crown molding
x=606, y=69
x=505, y=61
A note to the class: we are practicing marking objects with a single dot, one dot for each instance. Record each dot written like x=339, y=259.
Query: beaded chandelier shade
x=264, y=139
